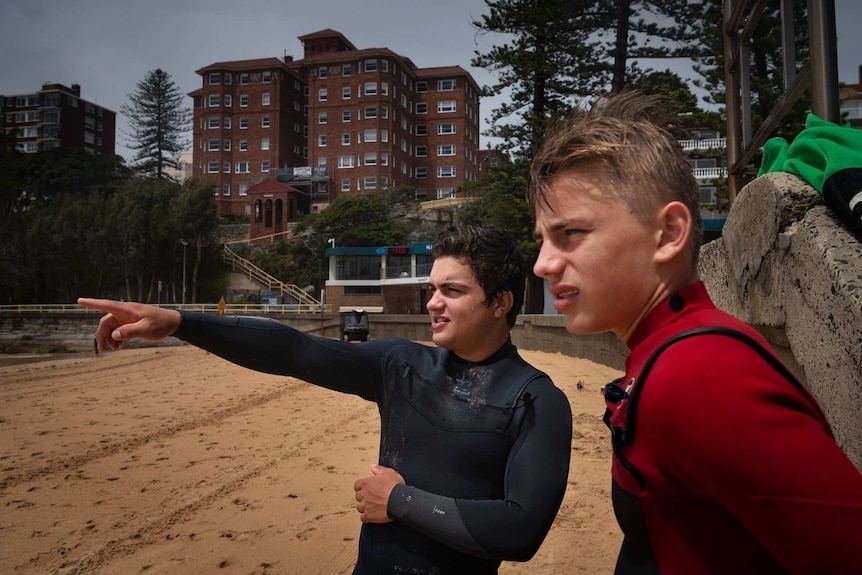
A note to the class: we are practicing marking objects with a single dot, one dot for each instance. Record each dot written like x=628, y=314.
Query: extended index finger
x=105, y=305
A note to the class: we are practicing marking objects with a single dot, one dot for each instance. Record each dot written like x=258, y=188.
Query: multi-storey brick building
x=359, y=120
x=56, y=116
x=249, y=120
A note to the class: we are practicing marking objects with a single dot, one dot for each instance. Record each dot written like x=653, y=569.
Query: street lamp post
x=185, y=243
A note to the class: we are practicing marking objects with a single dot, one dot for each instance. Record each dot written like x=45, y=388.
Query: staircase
x=254, y=273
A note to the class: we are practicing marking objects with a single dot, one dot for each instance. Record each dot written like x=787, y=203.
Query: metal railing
x=229, y=309
x=254, y=273
x=820, y=73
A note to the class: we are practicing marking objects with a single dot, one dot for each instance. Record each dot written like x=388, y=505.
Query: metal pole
x=824, y=60
x=185, y=243
x=732, y=100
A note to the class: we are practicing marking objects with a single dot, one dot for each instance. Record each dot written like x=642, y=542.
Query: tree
x=158, y=121
x=649, y=29
x=194, y=211
x=548, y=60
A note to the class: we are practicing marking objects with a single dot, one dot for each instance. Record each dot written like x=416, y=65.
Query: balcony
x=709, y=173
x=705, y=144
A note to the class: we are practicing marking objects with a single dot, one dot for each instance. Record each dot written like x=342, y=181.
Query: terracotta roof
x=243, y=65
x=327, y=33
x=271, y=186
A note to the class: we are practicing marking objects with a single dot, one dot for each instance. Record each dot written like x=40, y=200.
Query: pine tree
x=159, y=122
x=549, y=60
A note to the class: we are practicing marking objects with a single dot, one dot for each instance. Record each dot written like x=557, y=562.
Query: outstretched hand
x=128, y=320
x=372, y=494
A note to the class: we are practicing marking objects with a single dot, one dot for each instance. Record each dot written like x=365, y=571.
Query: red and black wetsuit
x=739, y=473
x=484, y=447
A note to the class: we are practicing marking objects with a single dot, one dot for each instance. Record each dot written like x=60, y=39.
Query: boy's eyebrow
x=447, y=284
x=552, y=227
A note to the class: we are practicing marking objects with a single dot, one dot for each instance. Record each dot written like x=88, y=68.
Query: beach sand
x=170, y=460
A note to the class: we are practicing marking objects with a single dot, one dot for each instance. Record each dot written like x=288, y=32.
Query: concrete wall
x=788, y=267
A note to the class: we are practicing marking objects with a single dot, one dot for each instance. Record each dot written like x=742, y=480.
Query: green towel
x=829, y=158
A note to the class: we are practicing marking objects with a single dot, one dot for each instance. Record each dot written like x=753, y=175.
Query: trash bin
x=354, y=325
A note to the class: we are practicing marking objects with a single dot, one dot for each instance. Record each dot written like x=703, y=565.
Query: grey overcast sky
x=107, y=46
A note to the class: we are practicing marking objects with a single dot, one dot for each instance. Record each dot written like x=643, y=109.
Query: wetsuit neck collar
x=679, y=303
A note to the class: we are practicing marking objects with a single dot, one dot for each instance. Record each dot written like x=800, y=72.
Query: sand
x=173, y=461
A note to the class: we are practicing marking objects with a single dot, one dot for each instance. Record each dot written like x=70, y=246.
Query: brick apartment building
x=56, y=116
x=341, y=120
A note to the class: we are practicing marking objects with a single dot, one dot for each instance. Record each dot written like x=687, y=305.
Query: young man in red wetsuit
x=733, y=468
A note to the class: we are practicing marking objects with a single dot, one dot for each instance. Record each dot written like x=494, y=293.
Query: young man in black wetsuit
x=475, y=442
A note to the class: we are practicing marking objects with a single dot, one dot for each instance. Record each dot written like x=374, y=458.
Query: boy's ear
x=674, y=223
x=503, y=303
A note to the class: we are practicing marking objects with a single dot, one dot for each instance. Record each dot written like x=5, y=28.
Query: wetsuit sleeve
x=745, y=437
x=511, y=528
x=269, y=346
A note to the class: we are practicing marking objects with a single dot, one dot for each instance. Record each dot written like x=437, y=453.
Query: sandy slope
x=171, y=460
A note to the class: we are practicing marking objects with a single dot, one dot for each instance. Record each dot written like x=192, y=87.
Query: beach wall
x=787, y=266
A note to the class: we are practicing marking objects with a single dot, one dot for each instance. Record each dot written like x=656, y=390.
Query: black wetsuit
x=483, y=447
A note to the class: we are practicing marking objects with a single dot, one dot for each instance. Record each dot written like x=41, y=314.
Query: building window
x=421, y=173
x=370, y=65
x=213, y=123
x=243, y=78
x=446, y=129
x=212, y=167
x=345, y=139
x=707, y=195
x=264, y=144
x=370, y=135
x=214, y=78
x=226, y=145
x=227, y=122
x=214, y=100
x=384, y=135
x=243, y=100
x=243, y=123
x=345, y=185
x=421, y=130
x=446, y=171
x=370, y=112
x=321, y=118
x=321, y=71
x=370, y=159
x=445, y=85
x=228, y=100
x=421, y=151
x=225, y=189
x=242, y=168
x=421, y=107
x=384, y=112
x=384, y=65
x=228, y=78
x=264, y=122
x=346, y=70
x=212, y=146
x=243, y=189
x=370, y=88
x=384, y=161
x=422, y=86
x=264, y=99
x=370, y=182
x=446, y=150
x=443, y=193
x=321, y=141
x=345, y=116
x=446, y=106
x=321, y=95
x=264, y=166
x=345, y=93
x=267, y=77
x=243, y=145
x=225, y=167
x=345, y=161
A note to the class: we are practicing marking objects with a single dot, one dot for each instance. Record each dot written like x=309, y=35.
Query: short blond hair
x=619, y=141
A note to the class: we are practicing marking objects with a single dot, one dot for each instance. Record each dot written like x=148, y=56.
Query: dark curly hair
x=493, y=256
